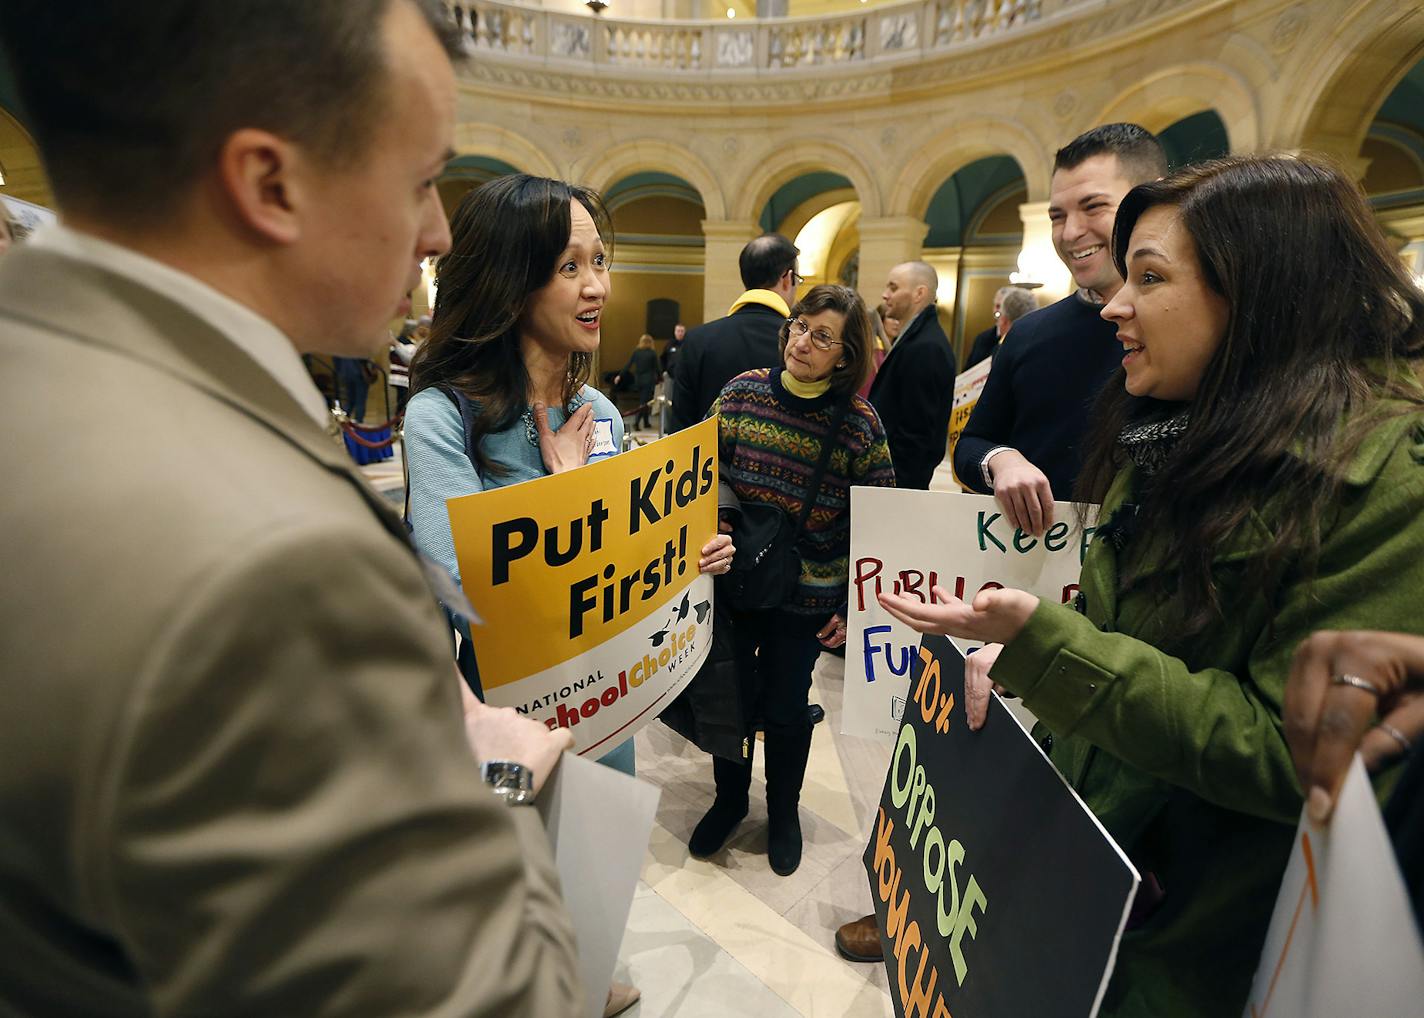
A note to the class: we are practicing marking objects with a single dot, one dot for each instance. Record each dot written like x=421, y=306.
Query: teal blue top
x=440, y=470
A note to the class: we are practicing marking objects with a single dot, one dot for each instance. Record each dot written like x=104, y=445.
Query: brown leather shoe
x=859, y=940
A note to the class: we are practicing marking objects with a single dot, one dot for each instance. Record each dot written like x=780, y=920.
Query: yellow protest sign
x=967, y=388
x=595, y=615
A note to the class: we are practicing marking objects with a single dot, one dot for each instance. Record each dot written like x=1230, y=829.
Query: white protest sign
x=1342, y=940
x=599, y=821
x=905, y=542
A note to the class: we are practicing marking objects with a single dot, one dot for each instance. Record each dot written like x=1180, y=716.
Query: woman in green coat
x=1260, y=466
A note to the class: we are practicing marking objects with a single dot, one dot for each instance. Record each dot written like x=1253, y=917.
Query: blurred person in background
x=642, y=366
x=747, y=337
x=914, y=388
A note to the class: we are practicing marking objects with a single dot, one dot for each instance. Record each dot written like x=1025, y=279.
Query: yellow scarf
x=767, y=298
x=805, y=390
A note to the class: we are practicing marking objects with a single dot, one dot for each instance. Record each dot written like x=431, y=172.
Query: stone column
x=721, y=276
x=884, y=244
x=1405, y=230
x=1038, y=261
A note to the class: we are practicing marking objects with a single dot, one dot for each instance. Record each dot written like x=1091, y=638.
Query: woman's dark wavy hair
x=856, y=335
x=1325, y=325
x=506, y=239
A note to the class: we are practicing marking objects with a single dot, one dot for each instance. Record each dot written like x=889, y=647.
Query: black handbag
x=714, y=712
x=767, y=565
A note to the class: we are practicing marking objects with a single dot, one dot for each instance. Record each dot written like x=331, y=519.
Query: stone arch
x=958, y=146
x=479, y=139
x=792, y=223
x=790, y=159
x=602, y=170
x=1373, y=47
x=1162, y=98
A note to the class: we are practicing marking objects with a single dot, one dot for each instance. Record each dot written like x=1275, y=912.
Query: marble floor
x=727, y=937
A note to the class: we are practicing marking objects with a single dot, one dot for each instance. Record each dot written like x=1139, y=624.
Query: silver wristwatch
x=512, y=782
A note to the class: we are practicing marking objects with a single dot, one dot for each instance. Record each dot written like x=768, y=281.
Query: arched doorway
x=1394, y=177
x=465, y=173
x=975, y=236
x=1194, y=139
x=820, y=213
x=658, y=262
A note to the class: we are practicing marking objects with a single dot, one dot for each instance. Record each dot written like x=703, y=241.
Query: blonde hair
x=645, y=342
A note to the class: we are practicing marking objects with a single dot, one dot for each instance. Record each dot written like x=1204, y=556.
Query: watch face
x=511, y=781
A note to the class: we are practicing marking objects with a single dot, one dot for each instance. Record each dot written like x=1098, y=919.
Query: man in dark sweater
x=749, y=337
x=913, y=391
x=1023, y=443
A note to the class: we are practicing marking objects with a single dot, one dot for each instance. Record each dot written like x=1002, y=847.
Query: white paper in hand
x=598, y=821
x=1342, y=940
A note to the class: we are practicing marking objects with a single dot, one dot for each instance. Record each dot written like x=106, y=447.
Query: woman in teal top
x=1260, y=465
x=517, y=318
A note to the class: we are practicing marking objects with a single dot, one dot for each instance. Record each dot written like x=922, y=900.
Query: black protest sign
x=997, y=893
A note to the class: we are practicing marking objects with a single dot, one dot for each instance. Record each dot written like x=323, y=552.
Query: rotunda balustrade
x=867, y=39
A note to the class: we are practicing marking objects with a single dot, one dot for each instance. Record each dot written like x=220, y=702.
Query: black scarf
x=1150, y=444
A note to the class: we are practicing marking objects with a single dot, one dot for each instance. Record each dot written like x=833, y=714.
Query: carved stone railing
x=899, y=32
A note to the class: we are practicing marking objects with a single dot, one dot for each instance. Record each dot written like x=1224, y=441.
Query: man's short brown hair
x=129, y=101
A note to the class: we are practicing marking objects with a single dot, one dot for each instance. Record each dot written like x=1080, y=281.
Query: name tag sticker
x=603, y=437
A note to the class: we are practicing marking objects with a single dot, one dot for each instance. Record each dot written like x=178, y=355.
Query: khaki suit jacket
x=233, y=774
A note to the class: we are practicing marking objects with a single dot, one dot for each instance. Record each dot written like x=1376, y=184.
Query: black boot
x=733, y=781
x=787, y=747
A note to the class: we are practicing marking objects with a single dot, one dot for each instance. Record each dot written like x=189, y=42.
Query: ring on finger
x=1355, y=682
x=1396, y=735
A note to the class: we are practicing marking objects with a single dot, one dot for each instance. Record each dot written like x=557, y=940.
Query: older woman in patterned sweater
x=773, y=426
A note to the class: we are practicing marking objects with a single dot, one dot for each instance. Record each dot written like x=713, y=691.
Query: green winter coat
x=1183, y=758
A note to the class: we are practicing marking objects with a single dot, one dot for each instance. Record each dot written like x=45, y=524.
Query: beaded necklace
x=532, y=433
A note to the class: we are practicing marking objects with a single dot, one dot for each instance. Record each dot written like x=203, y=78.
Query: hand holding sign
x=1326, y=720
x=978, y=685
x=717, y=555
x=994, y=616
x=502, y=733
x=1022, y=491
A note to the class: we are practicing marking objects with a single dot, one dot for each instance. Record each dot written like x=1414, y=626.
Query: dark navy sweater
x=1046, y=375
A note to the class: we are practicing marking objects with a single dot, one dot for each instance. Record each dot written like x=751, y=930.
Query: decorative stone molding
x=915, y=29
x=857, y=57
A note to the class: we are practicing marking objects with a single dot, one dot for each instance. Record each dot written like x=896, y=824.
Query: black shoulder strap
x=468, y=412
x=828, y=446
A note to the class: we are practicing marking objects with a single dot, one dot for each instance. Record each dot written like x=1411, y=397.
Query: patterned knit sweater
x=769, y=441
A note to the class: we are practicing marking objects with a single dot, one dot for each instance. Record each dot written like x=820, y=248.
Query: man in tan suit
x=234, y=778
